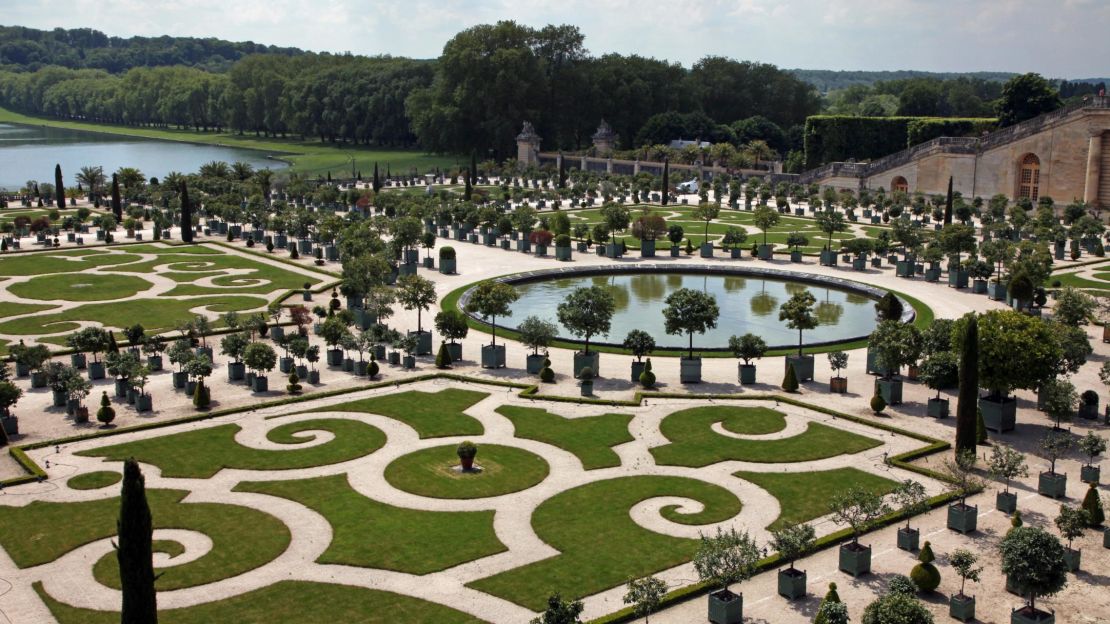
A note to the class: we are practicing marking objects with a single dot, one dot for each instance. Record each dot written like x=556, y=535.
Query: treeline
x=827, y=80
x=475, y=97
x=29, y=49
x=333, y=98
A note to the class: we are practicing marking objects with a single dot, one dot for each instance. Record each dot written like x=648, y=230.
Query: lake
x=747, y=304
x=30, y=153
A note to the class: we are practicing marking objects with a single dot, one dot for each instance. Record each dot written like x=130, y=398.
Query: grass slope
x=590, y=439
x=202, y=453
x=599, y=544
x=431, y=414
x=371, y=534
x=804, y=496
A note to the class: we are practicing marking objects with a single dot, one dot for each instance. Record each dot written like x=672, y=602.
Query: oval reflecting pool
x=747, y=304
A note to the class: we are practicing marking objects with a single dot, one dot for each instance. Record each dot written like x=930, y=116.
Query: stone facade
x=1061, y=155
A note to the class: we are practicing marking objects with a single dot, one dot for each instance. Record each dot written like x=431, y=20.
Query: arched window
x=899, y=184
x=1029, y=177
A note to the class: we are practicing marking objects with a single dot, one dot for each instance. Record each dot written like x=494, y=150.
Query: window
x=899, y=184
x=1029, y=177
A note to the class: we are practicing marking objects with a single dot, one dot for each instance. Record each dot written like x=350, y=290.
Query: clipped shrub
x=447, y=253
x=293, y=253
x=466, y=450
x=562, y=240
x=546, y=374
x=830, y=596
x=901, y=584
x=586, y=374
x=201, y=396
x=1092, y=504
x=980, y=428
x=373, y=368
x=790, y=380
x=878, y=403
x=294, y=385
x=925, y=575
x=647, y=378
x=106, y=414
x=443, y=357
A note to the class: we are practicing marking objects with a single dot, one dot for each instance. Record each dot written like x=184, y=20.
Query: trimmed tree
x=134, y=550
x=490, y=300
x=690, y=312
x=797, y=312
x=645, y=595
x=1033, y=562
x=587, y=311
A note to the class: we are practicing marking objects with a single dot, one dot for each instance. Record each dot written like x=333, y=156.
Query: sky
x=1057, y=38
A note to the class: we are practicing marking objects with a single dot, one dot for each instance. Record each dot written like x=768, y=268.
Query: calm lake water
x=747, y=304
x=30, y=153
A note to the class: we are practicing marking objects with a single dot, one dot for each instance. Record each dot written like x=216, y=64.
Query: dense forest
x=29, y=49
x=473, y=98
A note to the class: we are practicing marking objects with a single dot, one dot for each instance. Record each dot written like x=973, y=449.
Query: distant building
x=681, y=143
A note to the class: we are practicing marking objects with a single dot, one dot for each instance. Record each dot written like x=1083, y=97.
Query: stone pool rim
x=871, y=292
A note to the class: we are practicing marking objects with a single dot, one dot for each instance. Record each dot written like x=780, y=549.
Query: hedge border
x=531, y=391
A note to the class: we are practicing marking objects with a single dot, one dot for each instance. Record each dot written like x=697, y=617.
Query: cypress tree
x=473, y=168
x=980, y=428
x=136, y=565
x=377, y=184
x=186, y=215
x=562, y=172
x=790, y=380
x=666, y=179
x=467, y=189
x=59, y=187
x=948, y=203
x=117, y=205
x=967, y=407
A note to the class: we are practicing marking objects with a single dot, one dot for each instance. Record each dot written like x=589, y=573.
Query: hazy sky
x=1058, y=38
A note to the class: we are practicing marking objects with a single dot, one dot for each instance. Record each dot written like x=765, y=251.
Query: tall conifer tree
x=59, y=187
x=948, y=203
x=117, y=205
x=666, y=180
x=186, y=215
x=136, y=559
x=967, y=406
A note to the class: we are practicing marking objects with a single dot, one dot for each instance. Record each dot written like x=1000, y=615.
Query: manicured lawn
x=94, y=480
x=599, y=544
x=695, y=444
x=804, y=496
x=156, y=315
x=201, y=453
x=431, y=414
x=430, y=472
x=589, y=438
x=60, y=261
x=263, y=278
x=286, y=602
x=243, y=538
x=9, y=308
x=371, y=534
x=308, y=157
x=80, y=287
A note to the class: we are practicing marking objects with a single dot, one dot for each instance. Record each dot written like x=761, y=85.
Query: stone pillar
x=609, y=165
x=528, y=146
x=636, y=167
x=582, y=163
x=1094, y=162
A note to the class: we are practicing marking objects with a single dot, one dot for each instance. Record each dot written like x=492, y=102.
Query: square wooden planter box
x=1073, y=557
x=533, y=363
x=838, y=385
x=493, y=356
x=803, y=366
x=581, y=360
x=792, y=583
x=962, y=608
x=999, y=416
x=1052, y=484
x=690, y=370
x=909, y=539
x=963, y=518
x=1027, y=615
x=855, y=559
x=726, y=607
x=1090, y=474
x=1006, y=502
x=937, y=408
x=890, y=390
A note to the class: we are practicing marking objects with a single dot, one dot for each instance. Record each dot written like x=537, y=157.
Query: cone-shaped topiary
x=790, y=380
x=106, y=414
x=443, y=357
x=925, y=575
x=294, y=385
x=201, y=397
x=1015, y=521
x=878, y=403
x=1092, y=504
x=372, y=370
x=830, y=596
x=647, y=378
x=980, y=428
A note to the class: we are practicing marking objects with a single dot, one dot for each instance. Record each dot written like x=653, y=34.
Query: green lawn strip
x=308, y=157
x=371, y=534
x=695, y=444
x=1073, y=280
x=432, y=472
x=80, y=287
x=185, y=268
x=156, y=315
x=202, y=453
x=923, y=317
x=93, y=480
x=184, y=248
x=804, y=496
x=283, y=602
x=242, y=538
x=599, y=544
x=10, y=308
x=431, y=414
x=41, y=263
x=590, y=438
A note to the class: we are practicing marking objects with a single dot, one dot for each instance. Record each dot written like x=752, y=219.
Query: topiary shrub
x=443, y=357
x=293, y=253
x=901, y=584
x=980, y=428
x=790, y=380
x=294, y=385
x=1092, y=504
x=372, y=369
x=878, y=404
x=830, y=596
x=201, y=397
x=647, y=378
x=925, y=575
x=546, y=374
x=106, y=414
